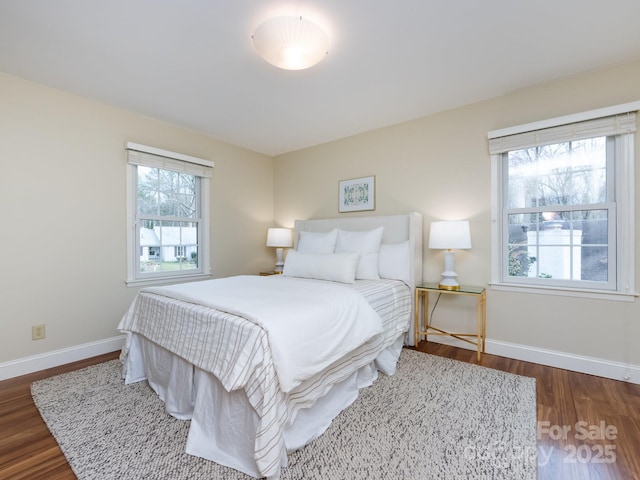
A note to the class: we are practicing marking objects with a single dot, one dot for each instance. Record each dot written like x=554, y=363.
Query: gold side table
x=422, y=314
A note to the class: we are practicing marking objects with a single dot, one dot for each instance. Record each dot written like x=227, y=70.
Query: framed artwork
x=357, y=194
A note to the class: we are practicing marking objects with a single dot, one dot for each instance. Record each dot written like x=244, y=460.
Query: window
x=563, y=203
x=181, y=251
x=168, y=214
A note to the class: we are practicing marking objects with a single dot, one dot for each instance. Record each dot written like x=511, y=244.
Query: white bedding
x=309, y=325
x=237, y=352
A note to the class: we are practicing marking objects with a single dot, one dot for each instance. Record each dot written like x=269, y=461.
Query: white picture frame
x=357, y=194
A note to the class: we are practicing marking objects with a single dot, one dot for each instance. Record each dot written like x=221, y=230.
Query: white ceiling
x=192, y=63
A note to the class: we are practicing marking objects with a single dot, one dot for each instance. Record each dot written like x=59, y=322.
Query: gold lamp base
x=449, y=287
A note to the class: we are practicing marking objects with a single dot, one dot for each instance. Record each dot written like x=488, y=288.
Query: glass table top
x=462, y=289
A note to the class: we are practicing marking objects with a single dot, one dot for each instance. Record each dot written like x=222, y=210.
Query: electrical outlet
x=38, y=332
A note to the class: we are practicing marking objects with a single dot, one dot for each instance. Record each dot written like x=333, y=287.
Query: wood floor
x=588, y=427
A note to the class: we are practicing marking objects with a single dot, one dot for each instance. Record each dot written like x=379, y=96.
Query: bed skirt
x=224, y=424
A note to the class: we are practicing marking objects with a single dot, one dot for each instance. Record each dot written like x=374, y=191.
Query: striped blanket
x=238, y=350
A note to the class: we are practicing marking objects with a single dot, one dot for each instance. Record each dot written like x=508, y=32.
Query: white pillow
x=314, y=242
x=336, y=267
x=394, y=261
x=367, y=244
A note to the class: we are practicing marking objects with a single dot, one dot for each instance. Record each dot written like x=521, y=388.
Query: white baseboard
x=552, y=358
x=35, y=363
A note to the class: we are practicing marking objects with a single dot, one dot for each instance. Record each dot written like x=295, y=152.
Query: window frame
x=142, y=155
x=621, y=231
x=609, y=205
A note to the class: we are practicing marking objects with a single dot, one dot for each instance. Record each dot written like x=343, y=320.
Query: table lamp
x=449, y=235
x=279, y=238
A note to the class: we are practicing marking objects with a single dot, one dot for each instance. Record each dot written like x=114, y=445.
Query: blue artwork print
x=356, y=194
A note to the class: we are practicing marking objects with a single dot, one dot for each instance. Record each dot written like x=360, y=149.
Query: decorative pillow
x=336, y=267
x=313, y=242
x=394, y=261
x=367, y=244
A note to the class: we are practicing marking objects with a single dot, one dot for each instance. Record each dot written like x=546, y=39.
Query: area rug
x=435, y=418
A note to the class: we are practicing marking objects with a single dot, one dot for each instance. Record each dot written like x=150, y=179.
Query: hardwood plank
x=29, y=451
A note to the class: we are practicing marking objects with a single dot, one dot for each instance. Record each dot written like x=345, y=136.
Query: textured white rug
x=436, y=418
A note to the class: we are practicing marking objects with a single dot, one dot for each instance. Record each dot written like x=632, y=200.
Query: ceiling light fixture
x=291, y=43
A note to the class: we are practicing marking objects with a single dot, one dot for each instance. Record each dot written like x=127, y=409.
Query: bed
x=227, y=354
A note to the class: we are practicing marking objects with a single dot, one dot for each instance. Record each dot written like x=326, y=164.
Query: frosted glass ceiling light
x=291, y=43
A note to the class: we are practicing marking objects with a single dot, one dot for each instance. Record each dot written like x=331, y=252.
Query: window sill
x=146, y=282
x=566, y=292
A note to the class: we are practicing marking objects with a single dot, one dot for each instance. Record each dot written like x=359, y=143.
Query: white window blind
x=598, y=127
x=156, y=158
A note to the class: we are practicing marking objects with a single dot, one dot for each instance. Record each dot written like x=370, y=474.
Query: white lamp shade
x=279, y=237
x=449, y=235
x=291, y=43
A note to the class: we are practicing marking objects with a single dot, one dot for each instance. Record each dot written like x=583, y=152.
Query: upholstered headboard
x=397, y=229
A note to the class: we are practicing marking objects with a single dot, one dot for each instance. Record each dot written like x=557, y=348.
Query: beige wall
x=62, y=191
x=439, y=165
x=63, y=238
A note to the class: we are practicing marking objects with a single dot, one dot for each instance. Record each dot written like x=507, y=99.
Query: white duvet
x=309, y=324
